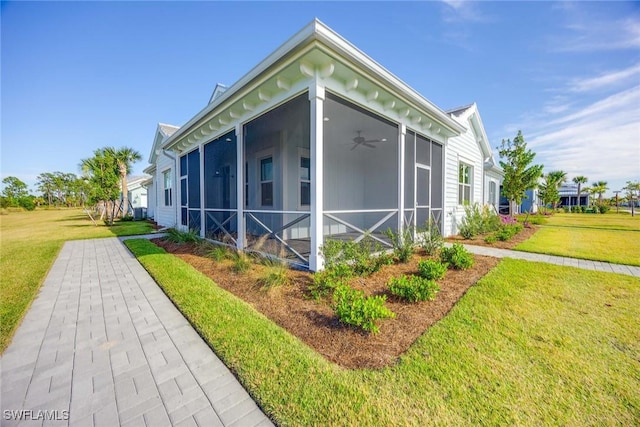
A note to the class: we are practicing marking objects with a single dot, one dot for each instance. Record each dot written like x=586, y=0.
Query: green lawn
x=611, y=237
x=530, y=344
x=30, y=241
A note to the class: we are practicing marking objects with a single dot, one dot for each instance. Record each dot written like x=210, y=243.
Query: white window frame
x=493, y=200
x=167, y=184
x=260, y=181
x=462, y=185
x=303, y=153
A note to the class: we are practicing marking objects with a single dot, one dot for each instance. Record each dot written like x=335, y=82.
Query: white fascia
x=285, y=54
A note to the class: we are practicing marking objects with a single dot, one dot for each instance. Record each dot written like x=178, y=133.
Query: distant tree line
x=103, y=180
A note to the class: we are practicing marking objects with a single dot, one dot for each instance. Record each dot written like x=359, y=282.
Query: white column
x=202, y=218
x=402, y=132
x=316, y=96
x=240, y=186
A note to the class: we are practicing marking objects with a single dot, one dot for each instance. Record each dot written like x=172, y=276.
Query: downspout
x=175, y=182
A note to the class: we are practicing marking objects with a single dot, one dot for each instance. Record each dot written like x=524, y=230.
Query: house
x=318, y=141
x=529, y=203
x=138, y=191
x=569, y=196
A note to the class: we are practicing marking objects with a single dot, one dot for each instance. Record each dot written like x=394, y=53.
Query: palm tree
x=599, y=187
x=125, y=157
x=101, y=171
x=580, y=180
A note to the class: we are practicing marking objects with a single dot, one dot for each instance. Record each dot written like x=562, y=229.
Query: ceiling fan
x=362, y=141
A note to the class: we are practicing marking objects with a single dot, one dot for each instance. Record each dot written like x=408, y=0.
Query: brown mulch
x=314, y=321
x=509, y=244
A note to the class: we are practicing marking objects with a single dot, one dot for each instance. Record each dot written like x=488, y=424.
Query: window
x=464, y=184
x=305, y=181
x=266, y=181
x=492, y=193
x=167, y=187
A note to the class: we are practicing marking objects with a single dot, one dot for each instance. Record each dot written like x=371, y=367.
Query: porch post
x=402, y=132
x=240, y=186
x=316, y=96
x=201, y=178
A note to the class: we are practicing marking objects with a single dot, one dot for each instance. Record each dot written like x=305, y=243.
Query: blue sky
x=80, y=76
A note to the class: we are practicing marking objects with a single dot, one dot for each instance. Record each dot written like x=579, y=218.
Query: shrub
x=177, y=236
x=431, y=269
x=457, y=257
x=478, y=221
x=402, y=243
x=241, y=262
x=27, y=203
x=353, y=308
x=603, y=209
x=507, y=220
x=506, y=232
x=274, y=276
x=490, y=239
x=360, y=256
x=413, y=288
x=430, y=239
x=326, y=281
x=468, y=231
x=218, y=253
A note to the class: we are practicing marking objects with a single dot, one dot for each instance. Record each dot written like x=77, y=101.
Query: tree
x=549, y=192
x=16, y=194
x=45, y=184
x=599, y=188
x=14, y=190
x=125, y=157
x=103, y=177
x=580, y=180
x=519, y=175
x=633, y=193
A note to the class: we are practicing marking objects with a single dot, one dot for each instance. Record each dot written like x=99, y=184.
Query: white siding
x=151, y=198
x=497, y=179
x=465, y=149
x=165, y=215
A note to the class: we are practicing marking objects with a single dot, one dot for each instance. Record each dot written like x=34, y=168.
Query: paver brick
x=103, y=341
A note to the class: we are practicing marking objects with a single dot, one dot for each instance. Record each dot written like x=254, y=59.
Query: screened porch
x=376, y=175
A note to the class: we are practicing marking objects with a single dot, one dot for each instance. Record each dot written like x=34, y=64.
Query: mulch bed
x=525, y=234
x=314, y=321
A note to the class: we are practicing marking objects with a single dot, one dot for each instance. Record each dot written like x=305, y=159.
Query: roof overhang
x=315, y=54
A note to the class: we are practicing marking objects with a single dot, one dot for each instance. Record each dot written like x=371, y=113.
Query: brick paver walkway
x=103, y=346
x=629, y=270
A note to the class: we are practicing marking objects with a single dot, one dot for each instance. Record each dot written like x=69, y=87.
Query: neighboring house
x=318, y=141
x=569, y=196
x=529, y=203
x=138, y=191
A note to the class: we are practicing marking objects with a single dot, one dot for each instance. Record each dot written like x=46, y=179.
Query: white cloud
x=587, y=31
x=607, y=79
x=600, y=140
x=463, y=11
